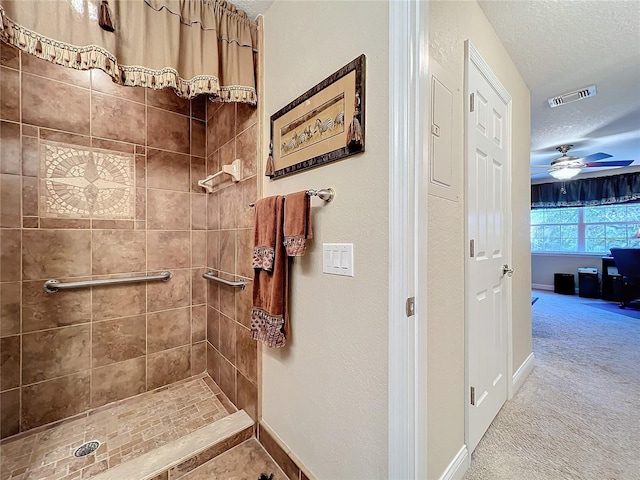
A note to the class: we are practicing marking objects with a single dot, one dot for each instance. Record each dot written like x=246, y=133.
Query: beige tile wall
x=64, y=353
x=232, y=356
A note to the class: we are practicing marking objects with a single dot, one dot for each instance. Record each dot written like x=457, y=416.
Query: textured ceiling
x=253, y=7
x=562, y=46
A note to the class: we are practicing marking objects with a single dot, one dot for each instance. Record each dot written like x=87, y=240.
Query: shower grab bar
x=53, y=285
x=326, y=194
x=210, y=276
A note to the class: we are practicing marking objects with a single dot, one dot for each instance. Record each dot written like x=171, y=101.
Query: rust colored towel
x=270, y=286
x=297, y=223
x=264, y=234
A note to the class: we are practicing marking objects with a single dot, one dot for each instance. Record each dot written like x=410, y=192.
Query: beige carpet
x=578, y=414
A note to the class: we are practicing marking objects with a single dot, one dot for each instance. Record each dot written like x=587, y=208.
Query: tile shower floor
x=126, y=431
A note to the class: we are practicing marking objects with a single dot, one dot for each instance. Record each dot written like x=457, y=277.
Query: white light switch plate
x=337, y=259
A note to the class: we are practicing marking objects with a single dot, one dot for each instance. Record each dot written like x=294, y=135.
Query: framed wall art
x=323, y=125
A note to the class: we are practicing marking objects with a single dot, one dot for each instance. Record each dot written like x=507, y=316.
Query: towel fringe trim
x=295, y=246
x=266, y=328
x=93, y=56
x=263, y=258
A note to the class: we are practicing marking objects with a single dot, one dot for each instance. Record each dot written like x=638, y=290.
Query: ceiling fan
x=567, y=166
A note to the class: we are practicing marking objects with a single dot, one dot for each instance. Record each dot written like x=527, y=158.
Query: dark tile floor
x=243, y=462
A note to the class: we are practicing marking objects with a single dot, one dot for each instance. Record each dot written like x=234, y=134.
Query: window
x=585, y=229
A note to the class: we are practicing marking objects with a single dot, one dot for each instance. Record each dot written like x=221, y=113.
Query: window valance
x=587, y=192
x=193, y=46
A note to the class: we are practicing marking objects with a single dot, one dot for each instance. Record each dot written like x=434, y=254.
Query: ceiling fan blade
x=595, y=157
x=610, y=163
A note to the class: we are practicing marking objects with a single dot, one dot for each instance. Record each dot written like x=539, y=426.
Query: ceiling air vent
x=572, y=96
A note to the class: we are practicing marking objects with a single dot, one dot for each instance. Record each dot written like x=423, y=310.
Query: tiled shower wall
x=128, y=204
x=232, y=355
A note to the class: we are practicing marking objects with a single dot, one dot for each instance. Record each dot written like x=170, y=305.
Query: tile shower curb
x=180, y=456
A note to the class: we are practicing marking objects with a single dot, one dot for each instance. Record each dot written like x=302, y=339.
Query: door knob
x=506, y=270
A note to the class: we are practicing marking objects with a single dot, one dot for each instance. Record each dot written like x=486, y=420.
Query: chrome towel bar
x=326, y=194
x=53, y=285
x=210, y=276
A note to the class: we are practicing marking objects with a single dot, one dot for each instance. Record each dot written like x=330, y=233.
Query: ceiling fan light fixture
x=564, y=173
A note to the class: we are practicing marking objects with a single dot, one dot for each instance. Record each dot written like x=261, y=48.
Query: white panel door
x=487, y=175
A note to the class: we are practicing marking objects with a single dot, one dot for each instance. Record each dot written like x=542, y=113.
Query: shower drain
x=86, y=448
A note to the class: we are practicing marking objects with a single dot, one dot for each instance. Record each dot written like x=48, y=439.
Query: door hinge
x=472, y=102
x=473, y=395
x=411, y=306
x=472, y=248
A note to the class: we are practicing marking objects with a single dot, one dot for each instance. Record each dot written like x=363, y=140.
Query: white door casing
x=488, y=298
x=408, y=149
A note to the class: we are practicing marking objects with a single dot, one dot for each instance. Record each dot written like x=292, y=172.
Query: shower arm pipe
x=233, y=169
x=326, y=194
x=210, y=276
x=53, y=285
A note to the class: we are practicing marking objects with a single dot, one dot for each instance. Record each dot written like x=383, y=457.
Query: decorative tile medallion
x=84, y=182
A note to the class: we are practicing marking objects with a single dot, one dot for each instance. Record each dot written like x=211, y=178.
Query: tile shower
x=100, y=181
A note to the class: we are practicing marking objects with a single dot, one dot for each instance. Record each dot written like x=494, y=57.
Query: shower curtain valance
x=194, y=46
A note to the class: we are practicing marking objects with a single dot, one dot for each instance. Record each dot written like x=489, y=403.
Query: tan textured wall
x=67, y=352
x=450, y=24
x=325, y=394
x=232, y=355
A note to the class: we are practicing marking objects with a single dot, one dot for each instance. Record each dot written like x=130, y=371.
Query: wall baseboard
x=522, y=373
x=458, y=466
x=281, y=453
x=550, y=288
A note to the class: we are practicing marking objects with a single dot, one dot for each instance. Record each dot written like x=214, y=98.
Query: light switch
x=337, y=259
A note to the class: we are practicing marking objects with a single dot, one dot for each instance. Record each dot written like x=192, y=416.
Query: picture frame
x=324, y=124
